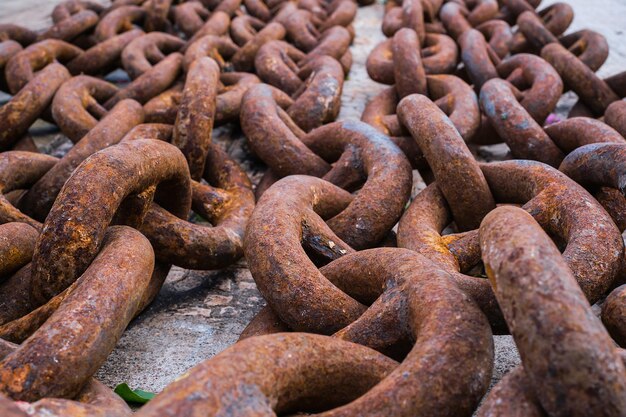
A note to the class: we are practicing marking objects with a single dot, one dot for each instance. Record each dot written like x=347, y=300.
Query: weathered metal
x=278, y=373
x=593, y=91
x=142, y=53
x=29, y=103
x=403, y=300
x=615, y=116
x=118, y=20
x=545, y=308
x=515, y=125
x=439, y=55
x=560, y=205
x=127, y=168
x=150, y=83
x=220, y=48
x=364, y=157
x=18, y=244
x=456, y=171
x=555, y=20
x=59, y=358
x=227, y=203
x=78, y=105
x=38, y=200
x=102, y=57
x=70, y=285
x=196, y=112
x=22, y=66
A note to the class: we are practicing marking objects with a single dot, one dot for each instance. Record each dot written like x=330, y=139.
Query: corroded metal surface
x=544, y=306
x=40, y=367
x=426, y=304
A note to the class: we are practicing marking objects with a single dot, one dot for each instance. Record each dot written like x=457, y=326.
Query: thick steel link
x=457, y=173
x=615, y=116
x=405, y=299
x=59, y=358
x=565, y=351
x=117, y=21
x=19, y=170
x=439, y=55
x=39, y=199
x=29, y=103
x=69, y=286
x=18, y=244
x=544, y=192
x=593, y=91
x=69, y=28
x=294, y=209
x=127, y=168
x=194, y=121
x=515, y=125
x=150, y=83
x=271, y=372
x=22, y=67
x=102, y=57
x=141, y=54
x=363, y=156
x=78, y=105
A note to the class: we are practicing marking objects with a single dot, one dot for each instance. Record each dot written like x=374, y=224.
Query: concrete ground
x=199, y=313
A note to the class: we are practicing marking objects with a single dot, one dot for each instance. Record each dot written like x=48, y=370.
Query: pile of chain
x=377, y=304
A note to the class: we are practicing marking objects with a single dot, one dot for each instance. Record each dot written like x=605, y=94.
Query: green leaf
x=133, y=396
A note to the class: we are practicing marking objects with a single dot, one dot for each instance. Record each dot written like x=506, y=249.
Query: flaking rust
x=404, y=315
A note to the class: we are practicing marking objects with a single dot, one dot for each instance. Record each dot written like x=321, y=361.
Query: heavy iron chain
x=378, y=304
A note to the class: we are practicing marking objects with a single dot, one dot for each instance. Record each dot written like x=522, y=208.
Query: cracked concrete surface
x=199, y=313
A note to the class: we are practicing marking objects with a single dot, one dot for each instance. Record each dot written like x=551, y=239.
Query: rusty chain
x=381, y=301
